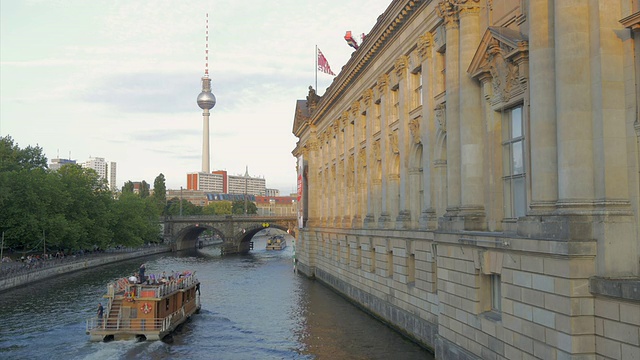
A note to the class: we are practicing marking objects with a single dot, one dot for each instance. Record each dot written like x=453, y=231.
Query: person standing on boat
x=141, y=273
x=100, y=313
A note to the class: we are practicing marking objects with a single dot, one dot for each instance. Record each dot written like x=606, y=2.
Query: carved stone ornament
x=355, y=108
x=441, y=117
x=393, y=143
x=448, y=11
x=504, y=74
x=383, y=82
x=497, y=62
x=375, y=154
x=414, y=128
x=367, y=96
x=362, y=157
x=425, y=42
x=401, y=65
x=312, y=100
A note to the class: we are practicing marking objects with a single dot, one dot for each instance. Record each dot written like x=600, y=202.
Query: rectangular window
x=395, y=106
x=411, y=269
x=496, y=293
x=416, y=80
x=515, y=201
x=373, y=259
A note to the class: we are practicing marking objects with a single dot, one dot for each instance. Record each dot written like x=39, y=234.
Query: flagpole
x=316, y=88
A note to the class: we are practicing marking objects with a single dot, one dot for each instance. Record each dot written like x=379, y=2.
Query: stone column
x=403, y=219
x=356, y=203
x=427, y=129
x=383, y=86
x=542, y=124
x=618, y=244
x=471, y=131
x=370, y=162
x=574, y=105
x=347, y=178
x=449, y=13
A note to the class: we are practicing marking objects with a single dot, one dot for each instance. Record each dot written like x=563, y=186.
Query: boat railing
x=130, y=325
x=124, y=288
x=137, y=324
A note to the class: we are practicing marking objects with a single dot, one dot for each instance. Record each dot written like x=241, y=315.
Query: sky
x=119, y=80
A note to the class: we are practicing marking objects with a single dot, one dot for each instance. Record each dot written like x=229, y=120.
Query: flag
x=323, y=64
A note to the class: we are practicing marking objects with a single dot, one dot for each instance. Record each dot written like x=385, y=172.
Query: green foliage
x=173, y=208
x=144, y=190
x=217, y=208
x=238, y=207
x=128, y=187
x=68, y=209
x=160, y=193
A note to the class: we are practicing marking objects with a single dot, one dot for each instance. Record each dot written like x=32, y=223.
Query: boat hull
x=146, y=311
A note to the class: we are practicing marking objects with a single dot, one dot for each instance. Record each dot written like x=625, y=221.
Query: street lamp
x=246, y=174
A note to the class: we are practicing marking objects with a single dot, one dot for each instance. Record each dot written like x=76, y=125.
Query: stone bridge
x=236, y=231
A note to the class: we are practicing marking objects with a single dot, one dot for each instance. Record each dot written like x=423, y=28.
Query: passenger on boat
x=141, y=273
x=100, y=313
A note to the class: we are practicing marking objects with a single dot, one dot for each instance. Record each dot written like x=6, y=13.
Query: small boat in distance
x=148, y=310
x=276, y=242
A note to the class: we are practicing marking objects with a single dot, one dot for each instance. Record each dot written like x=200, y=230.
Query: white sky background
x=119, y=80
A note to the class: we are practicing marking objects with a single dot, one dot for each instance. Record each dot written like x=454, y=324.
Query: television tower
x=206, y=101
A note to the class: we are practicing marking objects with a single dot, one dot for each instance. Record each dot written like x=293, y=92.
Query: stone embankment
x=21, y=278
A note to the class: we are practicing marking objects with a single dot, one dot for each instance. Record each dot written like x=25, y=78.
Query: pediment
x=301, y=116
x=500, y=64
x=507, y=41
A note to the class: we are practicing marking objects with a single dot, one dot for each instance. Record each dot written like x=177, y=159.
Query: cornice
x=388, y=24
x=632, y=21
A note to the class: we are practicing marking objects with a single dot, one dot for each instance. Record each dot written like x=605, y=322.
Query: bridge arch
x=236, y=231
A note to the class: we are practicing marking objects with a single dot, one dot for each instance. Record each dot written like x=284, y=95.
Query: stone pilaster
x=428, y=217
x=403, y=219
x=544, y=151
x=574, y=117
x=383, y=87
x=448, y=11
x=471, y=131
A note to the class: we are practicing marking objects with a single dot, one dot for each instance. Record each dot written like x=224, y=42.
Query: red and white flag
x=323, y=64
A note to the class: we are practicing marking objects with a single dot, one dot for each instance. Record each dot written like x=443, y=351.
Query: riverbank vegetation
x=69, y=209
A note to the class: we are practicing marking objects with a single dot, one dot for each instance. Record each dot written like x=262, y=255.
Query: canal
x=253, y=307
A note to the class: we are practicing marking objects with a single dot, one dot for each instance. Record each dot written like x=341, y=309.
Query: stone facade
x=471, y=177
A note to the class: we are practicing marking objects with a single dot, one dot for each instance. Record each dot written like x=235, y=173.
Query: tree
x=144, y=189
x=173, y=208
x=160, y=193
x=217, y=208
x=238, y=207
x=128, y=187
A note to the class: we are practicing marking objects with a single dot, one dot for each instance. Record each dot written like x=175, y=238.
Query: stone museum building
x=472, y=178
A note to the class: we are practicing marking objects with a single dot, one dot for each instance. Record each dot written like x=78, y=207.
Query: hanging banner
x=300, y=192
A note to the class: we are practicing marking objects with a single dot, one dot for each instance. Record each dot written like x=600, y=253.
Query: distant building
x=56, y=164
x=220, y=182
x=102, y=168
x=271, y=192
x=196, y=197
x=112, y=177
x=208, y=182
x=276, y=205
x=138, y=185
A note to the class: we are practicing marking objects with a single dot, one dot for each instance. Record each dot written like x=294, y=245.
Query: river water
x=253, y=307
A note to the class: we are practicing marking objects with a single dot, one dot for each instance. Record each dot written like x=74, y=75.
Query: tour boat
x=276, y=242
x=149, y=310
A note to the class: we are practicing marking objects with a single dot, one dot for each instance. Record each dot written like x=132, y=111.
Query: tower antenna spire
x=206, y=102
x=206, y=46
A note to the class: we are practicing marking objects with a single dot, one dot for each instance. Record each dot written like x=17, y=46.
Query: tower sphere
x=206, y=100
